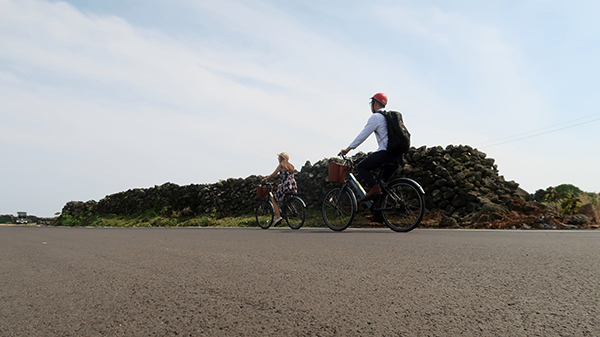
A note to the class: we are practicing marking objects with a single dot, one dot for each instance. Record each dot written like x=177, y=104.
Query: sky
x=99, y=97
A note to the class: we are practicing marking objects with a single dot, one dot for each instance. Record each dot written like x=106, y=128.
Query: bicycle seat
x=385, y=166
x=399, y=164
x=389, y=165
x=289, y=195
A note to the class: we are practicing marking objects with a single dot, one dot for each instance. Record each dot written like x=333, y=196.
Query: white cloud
x=118, y=106
x=489, y=73
x=128, y=102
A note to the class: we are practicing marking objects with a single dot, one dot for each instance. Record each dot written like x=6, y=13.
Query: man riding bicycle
x=377, y=124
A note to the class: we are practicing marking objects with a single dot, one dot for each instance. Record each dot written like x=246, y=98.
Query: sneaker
x=374, y=192
x=277, y=221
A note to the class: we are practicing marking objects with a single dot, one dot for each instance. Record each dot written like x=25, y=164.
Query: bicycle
x=292, y=209
x=401, y=204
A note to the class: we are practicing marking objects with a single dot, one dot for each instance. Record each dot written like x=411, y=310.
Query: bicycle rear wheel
x=403, y=208
x=294, y=213
x=264, y=214
x=338, y=208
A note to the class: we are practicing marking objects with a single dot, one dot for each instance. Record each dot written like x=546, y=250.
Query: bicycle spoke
x=338, y=209
x=403, y=207
x=295, y=213
x=264, y=214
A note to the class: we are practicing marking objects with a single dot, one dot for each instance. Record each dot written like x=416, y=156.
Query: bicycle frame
x=291, y=209
x=283, y=206
x=358, y=189
x=400, y=206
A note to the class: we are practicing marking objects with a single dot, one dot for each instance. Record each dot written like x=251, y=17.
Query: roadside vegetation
x=152, y=218
x=568, y=199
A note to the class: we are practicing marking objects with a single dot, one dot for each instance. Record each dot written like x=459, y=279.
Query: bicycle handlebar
x=347, y=160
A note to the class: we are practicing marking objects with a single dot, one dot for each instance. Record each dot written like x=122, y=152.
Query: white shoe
x=277, y=221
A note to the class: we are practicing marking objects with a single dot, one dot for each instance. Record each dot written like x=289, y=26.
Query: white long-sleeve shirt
x=377, y=124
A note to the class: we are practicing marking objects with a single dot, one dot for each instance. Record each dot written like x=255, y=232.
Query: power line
x=544, y=128
x=513, y=139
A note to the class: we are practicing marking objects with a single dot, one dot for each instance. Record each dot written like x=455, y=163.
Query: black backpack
x=398, y=135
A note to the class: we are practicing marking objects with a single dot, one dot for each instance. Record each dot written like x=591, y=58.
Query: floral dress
x=288, y=185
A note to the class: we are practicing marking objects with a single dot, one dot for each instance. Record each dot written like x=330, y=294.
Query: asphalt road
x=230, y=282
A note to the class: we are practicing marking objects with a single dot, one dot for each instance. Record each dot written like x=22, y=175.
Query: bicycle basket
x=262, y=191
x=337, y=172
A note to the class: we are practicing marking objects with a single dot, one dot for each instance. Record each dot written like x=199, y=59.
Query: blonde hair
x=284, y=162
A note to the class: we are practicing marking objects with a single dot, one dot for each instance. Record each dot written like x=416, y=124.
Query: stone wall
x=229, y=197
x=461, y=183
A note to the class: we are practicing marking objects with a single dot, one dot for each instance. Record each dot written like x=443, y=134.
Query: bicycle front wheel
x=295, y=213
x=338, y=208
x=403, y=207
x=264, y=214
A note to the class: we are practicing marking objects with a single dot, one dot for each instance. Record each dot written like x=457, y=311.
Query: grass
x=159, y=221
x=153, y=219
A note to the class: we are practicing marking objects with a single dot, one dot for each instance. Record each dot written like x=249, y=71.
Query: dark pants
x=374, y=161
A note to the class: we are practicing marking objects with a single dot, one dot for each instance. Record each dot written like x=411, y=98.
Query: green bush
x=551, y=194
x=592, y=198
x=6, y=218
x=565, y=190
x=570, y=204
